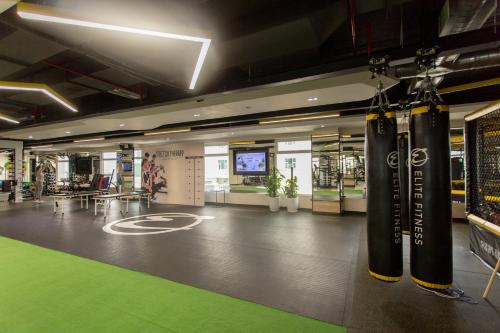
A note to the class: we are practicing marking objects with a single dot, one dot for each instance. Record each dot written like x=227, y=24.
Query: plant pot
x=292, y=204
x=274, y=204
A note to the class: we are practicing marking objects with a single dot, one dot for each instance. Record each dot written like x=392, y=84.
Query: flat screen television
x=83, y=166
x=251, y=162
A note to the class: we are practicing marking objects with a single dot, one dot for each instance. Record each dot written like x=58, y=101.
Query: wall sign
x=170, y=154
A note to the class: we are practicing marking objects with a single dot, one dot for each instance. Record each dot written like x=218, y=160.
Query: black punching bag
x=430, y=196
x=404, y=178
x=385, y=255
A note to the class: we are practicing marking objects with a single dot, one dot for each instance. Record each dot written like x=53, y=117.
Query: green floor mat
x=42, y=290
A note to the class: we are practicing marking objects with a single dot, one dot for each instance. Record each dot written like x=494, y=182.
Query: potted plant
x=292, y=198
x=273, y=185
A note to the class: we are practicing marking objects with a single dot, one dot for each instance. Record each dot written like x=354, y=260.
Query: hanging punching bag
x=385, y=256
x=430, y=196
x=404, y=178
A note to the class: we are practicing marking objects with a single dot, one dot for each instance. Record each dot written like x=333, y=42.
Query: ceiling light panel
x=50, y=14
x=89, y=140
x=8, y=119
x=298, y=118
x=168, y=131
x=38, y=87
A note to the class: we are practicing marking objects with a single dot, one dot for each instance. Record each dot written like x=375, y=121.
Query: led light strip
x=48, y=14
x=36, y=147
x=288, y=119
x=10, y=120
x=89, y=140
x=178, y=130
x=38, y=87
x=324, y=135
x=242, y=143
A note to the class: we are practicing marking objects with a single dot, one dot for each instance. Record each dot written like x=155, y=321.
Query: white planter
x=274, y=204
x=292, y=204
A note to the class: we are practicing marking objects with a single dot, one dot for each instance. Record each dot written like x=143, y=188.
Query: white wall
x=253, y=199
x=175, y=171
x=4, y=158
x=302, y=170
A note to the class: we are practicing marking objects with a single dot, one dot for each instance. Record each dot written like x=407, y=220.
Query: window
x=216, y=150
x=222, y=164
x=301, y=164
x=296, y=156
x=62, y=168
x=110, y=155
x=216, y=167
x=290, y=163
x=109, y=165
x=137, y=168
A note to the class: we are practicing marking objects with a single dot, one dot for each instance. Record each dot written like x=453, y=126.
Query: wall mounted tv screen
x=250, y=162
x=83, y=166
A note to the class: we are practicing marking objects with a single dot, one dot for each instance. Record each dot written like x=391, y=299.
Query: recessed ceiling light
x=30, y=137
x=322, y=125
x=196, y=115
x=232, y=133
x=312, y=99
x=68, y=132
x=121, y=125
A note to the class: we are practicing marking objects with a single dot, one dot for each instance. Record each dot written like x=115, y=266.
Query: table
x=60, y=198
x=105, y=200
x=216, y=196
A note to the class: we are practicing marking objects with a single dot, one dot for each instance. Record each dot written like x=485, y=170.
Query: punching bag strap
x=427, y=92
x=379, y=66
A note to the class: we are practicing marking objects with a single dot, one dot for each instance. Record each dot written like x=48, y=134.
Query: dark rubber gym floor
x=314, y=265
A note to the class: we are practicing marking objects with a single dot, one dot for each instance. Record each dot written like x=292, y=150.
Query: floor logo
x=153, y=224
x=419, y=156
x=392, y=159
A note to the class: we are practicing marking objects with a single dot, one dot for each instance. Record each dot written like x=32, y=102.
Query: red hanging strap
x=352, y=11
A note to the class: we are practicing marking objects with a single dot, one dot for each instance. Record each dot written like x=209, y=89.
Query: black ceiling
x=254, y=42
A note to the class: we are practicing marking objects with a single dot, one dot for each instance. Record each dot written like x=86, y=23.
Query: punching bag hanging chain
x=380, y=100
x=426, y=60
x=427, y=93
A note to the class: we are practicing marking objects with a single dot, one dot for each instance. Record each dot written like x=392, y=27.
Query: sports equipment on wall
x=385, y=253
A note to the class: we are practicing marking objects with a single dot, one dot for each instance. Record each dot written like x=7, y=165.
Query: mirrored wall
x=326, y=173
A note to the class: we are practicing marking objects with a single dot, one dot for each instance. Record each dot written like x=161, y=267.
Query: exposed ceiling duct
x=464, y=15
x=465, y=62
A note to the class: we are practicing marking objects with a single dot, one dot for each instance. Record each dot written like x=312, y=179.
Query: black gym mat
x=314, y=265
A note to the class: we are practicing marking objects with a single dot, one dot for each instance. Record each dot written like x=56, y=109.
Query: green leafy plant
x=8, y=165
x=273, y=183
x=291, y=187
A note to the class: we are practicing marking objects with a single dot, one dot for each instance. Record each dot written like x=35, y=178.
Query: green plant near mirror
x=291, y=187
x=273, y=183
